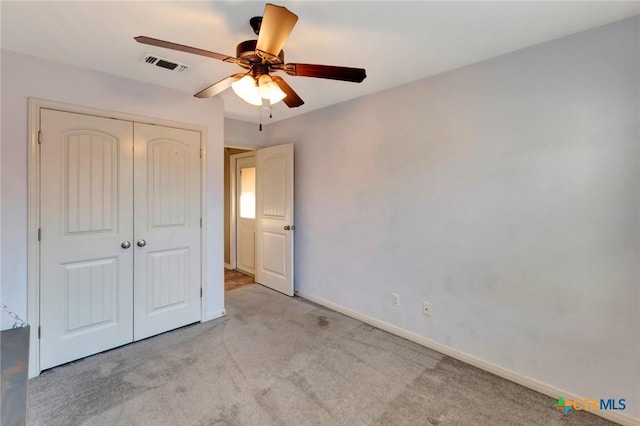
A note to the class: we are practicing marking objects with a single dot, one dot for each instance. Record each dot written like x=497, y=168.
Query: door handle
x=289, y=227
x=141, y=243
x=125, y=244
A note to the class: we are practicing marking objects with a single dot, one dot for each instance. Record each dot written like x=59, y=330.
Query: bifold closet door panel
x=86, y=266
x=167, y=228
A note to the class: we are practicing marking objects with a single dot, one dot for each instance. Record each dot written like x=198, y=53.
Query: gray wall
x=242, y=133
x=26, y=76
x=506, y=193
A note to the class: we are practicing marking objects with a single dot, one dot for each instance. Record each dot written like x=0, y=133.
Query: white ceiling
x=397, y=42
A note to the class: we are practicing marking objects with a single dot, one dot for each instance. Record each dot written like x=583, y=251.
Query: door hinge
x=39, y=234
x=39, y=137
x=200, y=152
x=200, y=292
x=200, y=222
x=38, y=332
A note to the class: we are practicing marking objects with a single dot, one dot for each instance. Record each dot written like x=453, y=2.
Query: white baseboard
x=530, y=383
x=227, y=265
x=213, y=315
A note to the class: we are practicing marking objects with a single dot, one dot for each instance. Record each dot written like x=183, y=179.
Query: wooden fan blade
x=218, y=87
x=277, y=23
x=355, y=75
x=182, y=48
x=292, y=100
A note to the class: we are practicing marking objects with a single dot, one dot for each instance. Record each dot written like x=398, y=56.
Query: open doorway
x=259, y=215
x=239, y=217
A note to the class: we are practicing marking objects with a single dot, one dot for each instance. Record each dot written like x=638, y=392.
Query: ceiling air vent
x=164, y=63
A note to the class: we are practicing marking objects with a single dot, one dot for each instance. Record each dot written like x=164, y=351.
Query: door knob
x=289, y=227
x=125, y=244
x=141, y=243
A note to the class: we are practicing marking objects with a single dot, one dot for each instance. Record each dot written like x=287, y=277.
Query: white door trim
x=33, y=252
x=232, y=205
x=233, y=192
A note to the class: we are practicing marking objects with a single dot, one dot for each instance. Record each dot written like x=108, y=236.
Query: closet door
x=86, y=265
x=167, y=229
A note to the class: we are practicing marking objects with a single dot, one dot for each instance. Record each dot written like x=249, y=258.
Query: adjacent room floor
x=275, y=360
x=234, y=279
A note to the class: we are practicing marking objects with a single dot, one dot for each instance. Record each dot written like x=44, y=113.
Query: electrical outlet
x=395, y=299
x=426, y=308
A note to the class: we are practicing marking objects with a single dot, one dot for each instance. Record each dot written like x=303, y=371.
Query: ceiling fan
x=260, y=58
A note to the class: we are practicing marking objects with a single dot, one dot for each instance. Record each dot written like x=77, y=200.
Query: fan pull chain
x=270, y=115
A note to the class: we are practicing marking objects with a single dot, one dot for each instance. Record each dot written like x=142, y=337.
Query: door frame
x=232, y=203
x=33, y=223
x=233, y=206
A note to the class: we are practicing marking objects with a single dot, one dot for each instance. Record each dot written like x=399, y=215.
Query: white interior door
x=167, y=229
x=86, y=219
x=274, y=218
x=245, y=213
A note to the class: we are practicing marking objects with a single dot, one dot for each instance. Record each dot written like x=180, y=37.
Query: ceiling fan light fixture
x=247, y=89
x=259, y=58
x=270, y=90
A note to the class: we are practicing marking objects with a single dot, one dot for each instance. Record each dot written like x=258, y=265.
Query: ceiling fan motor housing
x=247, y=55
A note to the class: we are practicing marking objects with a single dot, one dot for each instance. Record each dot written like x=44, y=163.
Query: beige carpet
x=275, y=360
